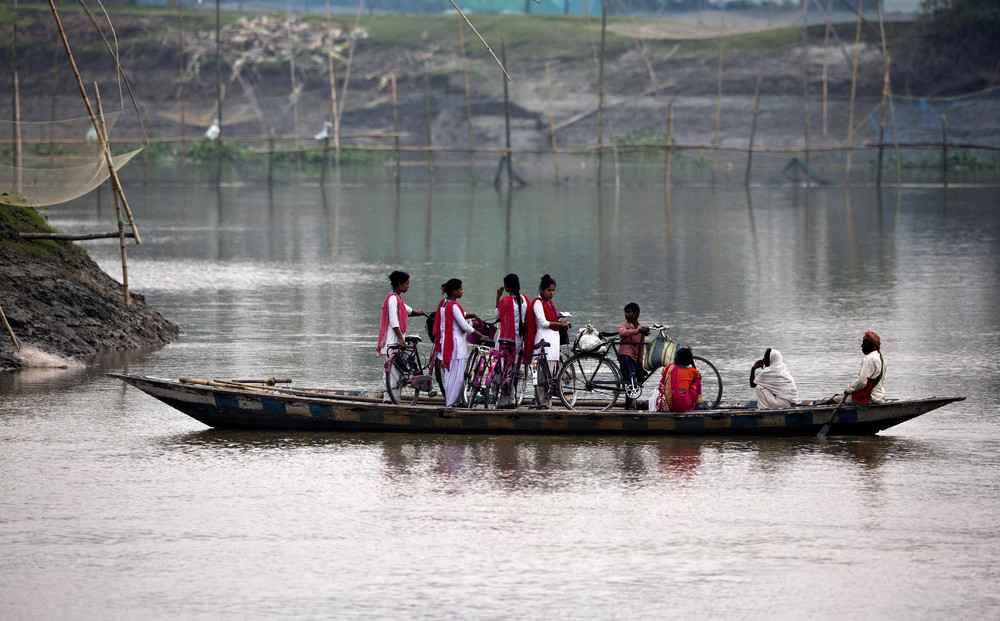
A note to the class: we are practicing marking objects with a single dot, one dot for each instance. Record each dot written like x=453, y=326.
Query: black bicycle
x=591, y=378
x=405, y=374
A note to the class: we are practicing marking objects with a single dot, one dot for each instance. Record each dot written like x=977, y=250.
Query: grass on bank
x=15, y=220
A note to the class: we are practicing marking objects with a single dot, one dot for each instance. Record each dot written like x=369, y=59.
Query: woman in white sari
x=774, y=384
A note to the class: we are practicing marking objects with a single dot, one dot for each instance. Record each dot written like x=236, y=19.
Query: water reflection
x=517, y=463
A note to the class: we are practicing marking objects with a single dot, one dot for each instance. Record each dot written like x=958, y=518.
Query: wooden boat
x=242, y=405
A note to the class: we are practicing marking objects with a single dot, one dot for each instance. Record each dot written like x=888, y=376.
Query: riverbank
x=59, y=303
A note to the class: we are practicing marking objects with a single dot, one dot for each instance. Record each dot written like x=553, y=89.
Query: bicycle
x=593, y=376
x=496, y=373
x=404, y=376
x=543, y=377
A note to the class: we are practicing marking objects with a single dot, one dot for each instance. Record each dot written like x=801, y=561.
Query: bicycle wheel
x=711, y=384
x=470, y=368
x=479, y=380
x=491, y=392
x=543, y=378
x=397, y=380
x=567, y=377
x=521, y=381
x=589, y=380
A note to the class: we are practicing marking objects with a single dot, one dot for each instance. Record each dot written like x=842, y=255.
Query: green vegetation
x=958, y=160
x=15, y=220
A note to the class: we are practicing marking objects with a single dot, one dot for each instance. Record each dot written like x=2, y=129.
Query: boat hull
x=287, y=409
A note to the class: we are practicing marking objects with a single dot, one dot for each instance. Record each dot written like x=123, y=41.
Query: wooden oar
x=822, y=432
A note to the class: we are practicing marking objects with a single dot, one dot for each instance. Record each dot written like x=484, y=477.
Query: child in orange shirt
x=680, y=384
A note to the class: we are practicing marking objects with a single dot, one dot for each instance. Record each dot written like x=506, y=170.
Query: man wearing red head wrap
x=869, y=385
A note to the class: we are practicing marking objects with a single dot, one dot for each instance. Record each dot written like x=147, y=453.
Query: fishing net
x=59, y=161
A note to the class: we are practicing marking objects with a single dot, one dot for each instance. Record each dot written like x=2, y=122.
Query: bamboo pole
x=18, y=153
x=180, y=34
x=55, y=89
x=718, y=98
x=881, y=125
x=944, y=150
x=506, y=75
x=805, y=87
x=334, y=106
x=555, y=153
x=826, y=82
x=116, y=183
x=218, y=88
x=17, y=345
x=854, y=88
x=468, y=100
x=350, y=55
x=600, y=92
x=276, y=390
x=753, y=127
x=15, y=103
x=270, y=160
x=103, y=137
x=73, y=237
x=506, y=118
x=395, y=123
x=427, y=122
x=670, y=149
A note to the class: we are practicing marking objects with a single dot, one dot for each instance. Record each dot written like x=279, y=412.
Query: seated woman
x=774, y=385
x=680, y=385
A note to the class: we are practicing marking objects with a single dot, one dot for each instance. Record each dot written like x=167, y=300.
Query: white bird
x=213, y=132
x=325, y=132
x=91, y=135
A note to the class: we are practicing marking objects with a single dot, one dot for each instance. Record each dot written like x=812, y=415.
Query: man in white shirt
x=869, y=385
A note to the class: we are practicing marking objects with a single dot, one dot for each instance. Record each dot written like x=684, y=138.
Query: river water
x=115, y=506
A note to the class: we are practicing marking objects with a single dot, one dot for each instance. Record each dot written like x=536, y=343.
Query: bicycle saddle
x=541, y=343
x=507, y=342
x=413, y=338
x=486, y=342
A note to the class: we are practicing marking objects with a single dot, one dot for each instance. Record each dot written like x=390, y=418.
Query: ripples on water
x=117, y=506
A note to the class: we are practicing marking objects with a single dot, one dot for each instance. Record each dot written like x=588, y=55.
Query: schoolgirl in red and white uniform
x=392, y=327
x=450, y=328
x=544, y=324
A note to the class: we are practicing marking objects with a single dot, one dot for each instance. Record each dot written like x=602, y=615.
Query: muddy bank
x=59, y=302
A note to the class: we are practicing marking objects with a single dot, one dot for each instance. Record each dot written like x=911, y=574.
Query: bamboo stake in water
x=395, y=123
x=854, y=88
x=552, y=130
x=506, y=118
x=753, y=127
x=270, y=159
x=881, y=124
x=670, y=143
x=468, y=100
x=944, y=150
x=826, y=47
x=718, y=98
x=427, y=115
x=218, y=86
x=103, y=137
x=805, y=87
x=180, y=55
x=600, y=92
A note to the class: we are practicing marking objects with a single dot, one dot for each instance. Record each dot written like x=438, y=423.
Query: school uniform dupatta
x=383, y=328
x=446, y=345
x=530, y=328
